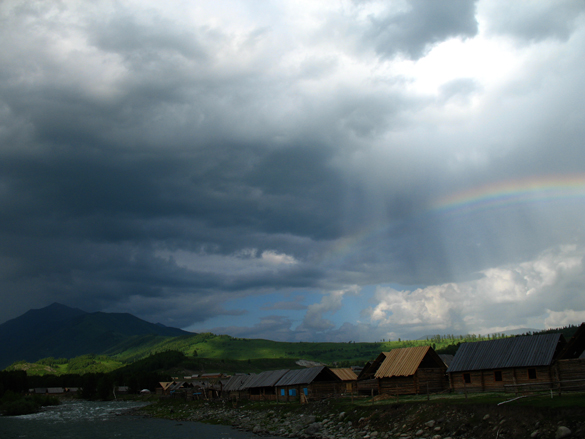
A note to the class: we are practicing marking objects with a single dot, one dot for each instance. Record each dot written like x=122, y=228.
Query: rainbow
x=502, y=194
x=498, y=195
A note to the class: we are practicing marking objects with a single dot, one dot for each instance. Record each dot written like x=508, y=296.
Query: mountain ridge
x=61, y=331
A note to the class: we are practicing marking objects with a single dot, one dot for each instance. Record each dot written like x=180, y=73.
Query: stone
x=436, y=436
x=534, y=434
x=437, y=429
x=562, y=432
x=312, y=429
x=430, y=424
x=419, y=433
x=486, y=417
x=341, y=415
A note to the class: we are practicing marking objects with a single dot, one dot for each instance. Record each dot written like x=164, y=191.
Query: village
x=516, y=365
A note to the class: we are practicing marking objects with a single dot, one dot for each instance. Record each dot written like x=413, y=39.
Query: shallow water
x=92, y=420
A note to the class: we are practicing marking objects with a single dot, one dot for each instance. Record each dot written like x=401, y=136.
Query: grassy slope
x=223, y=346
x=217, y=347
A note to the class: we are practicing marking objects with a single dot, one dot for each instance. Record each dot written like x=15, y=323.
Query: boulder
x=562, y=432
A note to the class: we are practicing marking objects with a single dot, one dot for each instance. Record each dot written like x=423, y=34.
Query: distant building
x=310, y=383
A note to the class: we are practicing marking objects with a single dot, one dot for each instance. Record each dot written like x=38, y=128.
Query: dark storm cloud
x=422, y=24
x=165, y=162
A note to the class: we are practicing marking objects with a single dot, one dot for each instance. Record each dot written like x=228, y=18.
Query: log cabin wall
x=434, y=380
x=398, y=386
x=367, y=387
x=571, y=369
x=496, y=380
x=324, y=389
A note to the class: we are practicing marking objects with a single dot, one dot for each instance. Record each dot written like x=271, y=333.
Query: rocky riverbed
x=331, y=419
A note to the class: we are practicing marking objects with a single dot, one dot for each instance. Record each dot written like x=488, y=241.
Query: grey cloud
x=534, y=22
x=459, y=90
x=425, y=23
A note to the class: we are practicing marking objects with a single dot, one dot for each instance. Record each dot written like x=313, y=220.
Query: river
x=93, y=420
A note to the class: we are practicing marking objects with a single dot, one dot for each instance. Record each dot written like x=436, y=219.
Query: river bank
x=336, y=419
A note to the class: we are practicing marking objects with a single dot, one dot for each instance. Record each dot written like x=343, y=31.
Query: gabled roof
x=526, y=351
x=404, y=361
x=266, y=379
x=345, y=374
x=237, y=382
x=166, y=384
x=179, y=385
x=305, y=376
x=447, y=358
x=370, y=368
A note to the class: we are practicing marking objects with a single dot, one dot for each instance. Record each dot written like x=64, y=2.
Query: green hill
x=62, y=332
x=101, y=342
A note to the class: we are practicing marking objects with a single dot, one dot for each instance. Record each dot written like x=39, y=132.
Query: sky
x=296, y=170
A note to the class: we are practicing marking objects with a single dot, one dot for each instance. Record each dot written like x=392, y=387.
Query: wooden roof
x=346, y=374
x=403, y=362
x=166, y=384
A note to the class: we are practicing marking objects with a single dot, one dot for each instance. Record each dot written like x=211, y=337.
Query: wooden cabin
x=348, y=378
x=262, y=386
x=408, y=371
x=497, y=365
x=310, y=383
x=235, y=387
x=174, y=388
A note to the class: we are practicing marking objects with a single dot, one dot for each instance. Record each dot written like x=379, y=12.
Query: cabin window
x=282, y=392
x=531, y=374
x=498, y=375
x=466, y=378
x=305, y=391
x=292, y=392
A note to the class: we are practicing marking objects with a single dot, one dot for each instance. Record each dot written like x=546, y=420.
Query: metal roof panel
x=266, y=379
x=526, y=351
x=300, y=376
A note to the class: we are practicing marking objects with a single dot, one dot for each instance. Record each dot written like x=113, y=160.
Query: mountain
x=60, y=331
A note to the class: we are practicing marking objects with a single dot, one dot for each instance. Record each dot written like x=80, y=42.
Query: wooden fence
x=556, y=386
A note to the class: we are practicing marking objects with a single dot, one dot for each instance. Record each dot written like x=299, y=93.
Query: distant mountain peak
x=59, y=306
x=58, y=330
